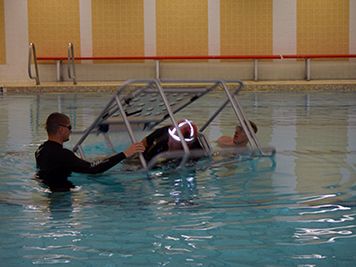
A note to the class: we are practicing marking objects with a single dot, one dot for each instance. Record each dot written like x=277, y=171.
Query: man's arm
x=77, y=164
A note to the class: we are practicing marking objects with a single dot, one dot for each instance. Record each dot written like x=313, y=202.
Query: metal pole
x=71, y=63
x=184, y=143
x=59, y=71
x=157, y=69
x=242, y=118
x=255, y=74
x=102, y=116
x=32, y=55
x=307, y=69
x=217, y=112
x=129, y=129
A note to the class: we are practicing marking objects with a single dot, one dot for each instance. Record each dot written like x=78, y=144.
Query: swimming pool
x=299, y=212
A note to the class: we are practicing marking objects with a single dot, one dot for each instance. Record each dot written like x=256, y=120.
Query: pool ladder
x=32, y=59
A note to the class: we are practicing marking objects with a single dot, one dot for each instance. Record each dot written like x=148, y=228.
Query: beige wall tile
x=246, y=27
x=352, y=24
x=118, y=28
x=52, y=25
x=323, y=27
x=182, y=27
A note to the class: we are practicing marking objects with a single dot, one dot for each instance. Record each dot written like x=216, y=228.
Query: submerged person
x=239, y=139
x=166, y=138
x=55, y=163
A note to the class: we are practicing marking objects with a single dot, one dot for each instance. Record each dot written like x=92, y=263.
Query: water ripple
x=312, y=256
x=344, y=218
x=202, y=226
x=50, y=258
x=324, y=209
x=324, y=235
x=250, y=214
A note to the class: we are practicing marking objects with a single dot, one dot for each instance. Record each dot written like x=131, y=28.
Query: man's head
x=189, y=131
x=240, y=137
x=58, y=125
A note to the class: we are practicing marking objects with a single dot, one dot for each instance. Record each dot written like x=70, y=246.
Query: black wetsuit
x=55, y=164
x=157, y=142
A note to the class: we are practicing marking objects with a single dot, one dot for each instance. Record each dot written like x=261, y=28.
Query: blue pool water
x=299, y=212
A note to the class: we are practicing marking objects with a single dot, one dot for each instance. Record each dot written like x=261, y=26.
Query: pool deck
x=68, y=87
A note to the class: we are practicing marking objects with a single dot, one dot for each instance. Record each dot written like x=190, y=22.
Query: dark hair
x=55, y=120
x=253, y=125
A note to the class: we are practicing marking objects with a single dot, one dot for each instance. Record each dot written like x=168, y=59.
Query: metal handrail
x=32, y=56
x=157, y=59
x=208, y=57
x=71, y=63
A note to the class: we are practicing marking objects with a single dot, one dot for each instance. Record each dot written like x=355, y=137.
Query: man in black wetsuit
x=166, y=139
x=55, y=163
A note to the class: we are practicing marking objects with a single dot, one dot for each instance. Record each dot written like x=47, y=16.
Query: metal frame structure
x=126, y=94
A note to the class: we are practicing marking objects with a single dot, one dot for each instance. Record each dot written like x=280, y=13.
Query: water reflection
x=303, y=199
x=55, y=228
x=291, y=128
x=182, y=185
x=60, y=206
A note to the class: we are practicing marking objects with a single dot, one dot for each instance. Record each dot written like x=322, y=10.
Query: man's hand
x=134, y=148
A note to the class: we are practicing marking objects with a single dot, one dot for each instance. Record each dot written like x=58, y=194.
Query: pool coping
x=92, y=87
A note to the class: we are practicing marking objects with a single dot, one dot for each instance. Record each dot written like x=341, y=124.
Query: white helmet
x=188, y=129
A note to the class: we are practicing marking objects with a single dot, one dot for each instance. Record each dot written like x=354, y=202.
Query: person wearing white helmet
x=166, y=138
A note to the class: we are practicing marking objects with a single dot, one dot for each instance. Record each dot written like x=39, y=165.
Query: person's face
x=65, y=129
x=240, y=137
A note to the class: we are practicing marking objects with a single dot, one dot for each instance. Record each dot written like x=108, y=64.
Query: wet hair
x=54, y=121
x=253, y=125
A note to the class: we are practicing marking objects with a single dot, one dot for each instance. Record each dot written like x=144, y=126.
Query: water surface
x=298, y=212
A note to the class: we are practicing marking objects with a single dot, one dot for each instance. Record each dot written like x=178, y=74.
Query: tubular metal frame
x=115, y=104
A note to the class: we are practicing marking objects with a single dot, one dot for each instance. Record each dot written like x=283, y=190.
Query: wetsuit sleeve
x=77, y=164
